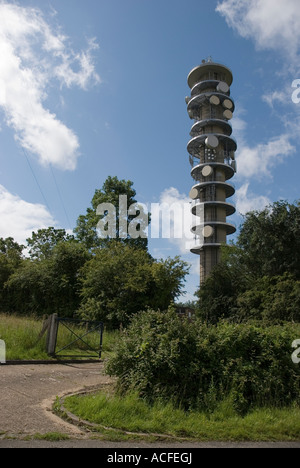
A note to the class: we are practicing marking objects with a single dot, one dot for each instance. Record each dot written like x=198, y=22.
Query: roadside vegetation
x=23, y=341
x=227, y=374
x=133, y=414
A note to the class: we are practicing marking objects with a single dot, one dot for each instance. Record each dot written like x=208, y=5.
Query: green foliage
x=10, y=260
x=42, y=243
x=197, y=366
x=259, y=277
x=105, y=279
x=86, y=229
x=22, y=336
x=50, y=284
x=273, y=300
x=270, y=240
x=121, y=280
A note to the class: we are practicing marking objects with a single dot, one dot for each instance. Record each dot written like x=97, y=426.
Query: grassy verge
x=21, y=336
x=133, y=414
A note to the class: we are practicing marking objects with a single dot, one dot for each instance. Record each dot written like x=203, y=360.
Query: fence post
x=52, y=335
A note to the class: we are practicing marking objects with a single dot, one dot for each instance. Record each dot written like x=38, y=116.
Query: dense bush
x=47, y=285
x=197, y=366
x=120, y=280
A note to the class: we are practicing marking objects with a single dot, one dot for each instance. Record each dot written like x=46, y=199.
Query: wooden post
x=52, y=335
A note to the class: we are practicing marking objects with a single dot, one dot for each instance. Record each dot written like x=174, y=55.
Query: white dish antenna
x=212, y=142
x=214, y=100
x=207, y=231
x=228, y=114
x=207, y=171
x=227, y=104
x=194, y=194
x=223, y=87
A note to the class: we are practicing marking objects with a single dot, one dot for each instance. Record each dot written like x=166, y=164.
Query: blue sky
x=95, y=88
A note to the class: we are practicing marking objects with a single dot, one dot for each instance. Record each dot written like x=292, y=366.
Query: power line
x=60, y=196
x=36, y=180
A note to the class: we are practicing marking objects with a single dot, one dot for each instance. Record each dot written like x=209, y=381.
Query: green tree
x=48, y=284
x=112, y=189
x=42, y=243
x=258, y=277
x=121, y=280
x=219, y=293
x=272, y=299
x=10, y=260
x=270, y=240
x=11, y=249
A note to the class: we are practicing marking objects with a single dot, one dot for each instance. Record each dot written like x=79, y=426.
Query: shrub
x=197, y=366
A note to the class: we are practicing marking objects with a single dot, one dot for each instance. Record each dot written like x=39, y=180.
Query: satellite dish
x=194, y=194
x=187, y=99
x=228, y=104
x=214, y=100
x=212, y=142
x=223, y=87
x=207, y=171
x=190, y=112
x=207, y=231
x=228, y=114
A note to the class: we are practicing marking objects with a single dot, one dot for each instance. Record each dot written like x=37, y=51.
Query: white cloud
x=32, y=56
x=20, y=218
x=171, y=219
x=272, y=24
x=280, y=97
x=247, y=201
x=258, y=161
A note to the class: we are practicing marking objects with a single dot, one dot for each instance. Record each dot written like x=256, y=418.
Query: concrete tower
x=212, y=158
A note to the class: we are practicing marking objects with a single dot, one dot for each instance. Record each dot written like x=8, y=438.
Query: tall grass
x=130, y=413
x=21, y=336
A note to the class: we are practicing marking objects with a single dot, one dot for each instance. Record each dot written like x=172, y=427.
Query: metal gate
x=78, y=336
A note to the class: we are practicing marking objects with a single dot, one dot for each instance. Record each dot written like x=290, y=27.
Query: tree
x=272, y=299
x=121, y=280
x=258, y=278
x=49, y=284
x=218, y=294
x=10, y=260
x=11, y=248
x=42, y=243
x=86, y=230
x=270, y=240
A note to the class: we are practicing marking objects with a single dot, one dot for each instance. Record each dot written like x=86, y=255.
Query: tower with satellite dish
x=212, y=158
